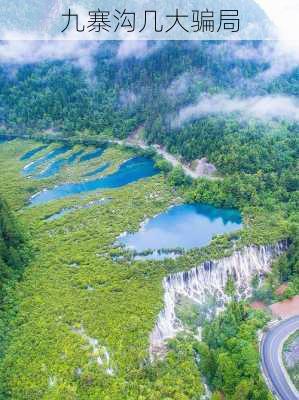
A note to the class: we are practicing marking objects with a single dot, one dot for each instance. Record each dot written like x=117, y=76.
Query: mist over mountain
x=177, y=91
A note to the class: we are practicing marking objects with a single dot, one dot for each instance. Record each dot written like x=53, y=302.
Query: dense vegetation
x=14, y=256
x=74, y=262
x=13, y=253
x=229, y=356
x=73, y=270
x=119, y=95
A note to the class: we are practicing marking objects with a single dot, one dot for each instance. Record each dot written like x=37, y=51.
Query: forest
x=13, y=250
x=228, y=355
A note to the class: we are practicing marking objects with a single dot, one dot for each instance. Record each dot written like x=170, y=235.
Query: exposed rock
x=209, y=280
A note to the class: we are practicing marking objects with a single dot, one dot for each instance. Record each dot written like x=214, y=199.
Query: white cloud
x=284, y=15
x=132, y=48
x=31, y=51
x=127, y=98
x=281, y=56
x=137, y=48
x=181, y=84
x=284, y=59
x=265, y=108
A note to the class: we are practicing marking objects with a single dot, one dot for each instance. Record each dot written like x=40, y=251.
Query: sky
x=285, y=15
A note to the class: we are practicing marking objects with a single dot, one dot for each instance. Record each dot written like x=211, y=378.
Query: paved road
x=174, y=161
x=271, y=352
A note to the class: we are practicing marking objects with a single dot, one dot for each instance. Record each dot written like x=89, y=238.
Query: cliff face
x=210, y=279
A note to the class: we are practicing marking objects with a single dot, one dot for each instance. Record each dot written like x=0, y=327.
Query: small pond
x=185, y=226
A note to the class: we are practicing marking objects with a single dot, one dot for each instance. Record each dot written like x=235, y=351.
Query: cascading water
x=210, y=279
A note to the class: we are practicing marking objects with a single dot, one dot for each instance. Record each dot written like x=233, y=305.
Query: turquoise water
x=96, y=171
x=56, y=166
x=94, y=154
x=185, y=226
x=32, y=167
x=4, y=139
x=53, y=169
x=32, y=152
x=74, y=156
x=128, y=172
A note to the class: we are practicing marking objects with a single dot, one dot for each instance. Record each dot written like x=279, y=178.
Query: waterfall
x=210, y=279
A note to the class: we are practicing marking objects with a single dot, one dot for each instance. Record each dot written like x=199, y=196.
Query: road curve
x=271, y=354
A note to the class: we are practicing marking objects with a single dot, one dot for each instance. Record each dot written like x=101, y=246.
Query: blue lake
x=32, y=152
x=185, y=226
x=128, y=172
x=32, y=167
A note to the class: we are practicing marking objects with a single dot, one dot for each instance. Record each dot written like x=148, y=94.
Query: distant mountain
x=196, y=98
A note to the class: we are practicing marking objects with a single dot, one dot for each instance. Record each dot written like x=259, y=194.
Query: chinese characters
x=152, y=21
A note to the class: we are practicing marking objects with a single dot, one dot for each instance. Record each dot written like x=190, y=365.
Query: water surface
x=4, y=139
x=56, y=166
x=128, y=172
x=32, y=152
x=94, y=154
x=74, y=156
x=185, y=226
x=33, y=166
x=98, y=170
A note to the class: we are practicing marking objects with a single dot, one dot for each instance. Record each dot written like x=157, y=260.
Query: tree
x=242, y=391
x=177, y=177
x=217, y=396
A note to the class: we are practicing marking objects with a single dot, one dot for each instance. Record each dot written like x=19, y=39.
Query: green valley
x=85, y=315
